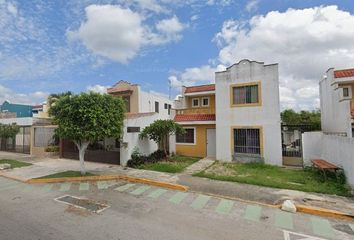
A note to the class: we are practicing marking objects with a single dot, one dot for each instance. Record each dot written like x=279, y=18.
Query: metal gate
x=94, y=153
x=20, y=143
x=292, y=143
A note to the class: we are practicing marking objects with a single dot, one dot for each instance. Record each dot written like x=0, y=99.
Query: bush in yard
x=138, y=159
x=160, y=131
x=52, y=148
x=86, y=118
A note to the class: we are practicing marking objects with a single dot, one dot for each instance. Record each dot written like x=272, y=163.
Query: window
x=169, y=109
x=166, y=106
x=157, y=107
x=205, y=102
x=133, y=129
x=245, y=94
x=188, y=137
x=127, y=103
x=345, y=92
x=195, y=102
x=352, y=130
x=247, y=141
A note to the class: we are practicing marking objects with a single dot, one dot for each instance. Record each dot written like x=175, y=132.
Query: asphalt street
x=137, y=211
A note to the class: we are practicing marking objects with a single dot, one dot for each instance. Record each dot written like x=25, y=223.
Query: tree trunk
x=82, y=146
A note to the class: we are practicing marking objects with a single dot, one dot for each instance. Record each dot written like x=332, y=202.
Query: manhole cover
x=82, y=203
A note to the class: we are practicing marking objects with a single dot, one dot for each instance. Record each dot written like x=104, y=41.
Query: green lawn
x=15, y=163
x=66, y=174
x=175, y=164
x=272, y=176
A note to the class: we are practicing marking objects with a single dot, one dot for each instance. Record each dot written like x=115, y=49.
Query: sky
x=52, y=46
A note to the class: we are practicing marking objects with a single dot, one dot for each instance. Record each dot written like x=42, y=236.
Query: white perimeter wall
x=335, y=149
x=131, y=140
x=267, y=116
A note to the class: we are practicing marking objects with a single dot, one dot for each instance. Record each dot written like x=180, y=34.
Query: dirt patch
x=218, y=169
x=78, y=211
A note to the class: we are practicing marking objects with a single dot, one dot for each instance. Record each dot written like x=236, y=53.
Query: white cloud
x=97, y=88
x=195, y=76
x=252, y=5
x=305, y=43
x=21, y=98
x=111, y=31
x=119, y=33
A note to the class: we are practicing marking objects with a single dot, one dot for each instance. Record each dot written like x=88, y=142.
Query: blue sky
x=54, y=46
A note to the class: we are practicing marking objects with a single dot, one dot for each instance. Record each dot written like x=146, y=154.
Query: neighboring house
x=337, y=102
x=40, y=111
x=143, y=108
x=21, y=110
x=237, y=119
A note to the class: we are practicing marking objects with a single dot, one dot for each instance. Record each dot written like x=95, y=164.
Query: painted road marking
x=102, y=185
x=28, y=188
x=47, y=187
x=322, y=227
x=178, y=197
x=200, y=201
x=140, y=190
x=225, y=206
x=84, y=186
x=10, y=185
x=295, y=236
x=111, y=183
x=124, y=187
x=64, y=187
x=157, y=193
x=284, y=220
x=351, y=226
x=253, y=213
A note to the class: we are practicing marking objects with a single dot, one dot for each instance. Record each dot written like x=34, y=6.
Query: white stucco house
x=337, y=102
x=143, y=108
x=235, y=119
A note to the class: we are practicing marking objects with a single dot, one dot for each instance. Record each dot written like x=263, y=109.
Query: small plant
x=52, y=148
x=138, y=159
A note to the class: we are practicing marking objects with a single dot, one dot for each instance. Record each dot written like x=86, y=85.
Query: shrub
x=52, y=148
x=138, y=159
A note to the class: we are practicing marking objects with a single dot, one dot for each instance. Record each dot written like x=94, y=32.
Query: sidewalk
x=263, y=195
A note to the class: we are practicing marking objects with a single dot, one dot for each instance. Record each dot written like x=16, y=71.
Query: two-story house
x=337, y=102
x=235, y=119
x=196, y=112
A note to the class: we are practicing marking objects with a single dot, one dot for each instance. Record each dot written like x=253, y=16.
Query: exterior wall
x=131, y=140
x=20, y=110
x=265, y=116
x=27, y=121
x=134, y=97
x=335, y=114
x=335, y=149
x=147, y=104
x=199, y=148
x=40, y=151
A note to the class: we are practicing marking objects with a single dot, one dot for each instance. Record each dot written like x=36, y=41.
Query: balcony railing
x=195, y=111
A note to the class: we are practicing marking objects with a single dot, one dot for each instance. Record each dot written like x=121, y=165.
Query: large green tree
x=87, y=118
x=160, y=131
x=8, y=131
x=311, y=118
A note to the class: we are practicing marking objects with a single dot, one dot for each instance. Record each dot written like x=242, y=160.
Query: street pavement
x=138, y=211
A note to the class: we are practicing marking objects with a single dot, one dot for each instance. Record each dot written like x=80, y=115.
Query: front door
x=211, y=143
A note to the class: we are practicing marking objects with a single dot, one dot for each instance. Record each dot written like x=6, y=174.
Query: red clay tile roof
x=194, y=117
x=201, y=88
x=344, y=73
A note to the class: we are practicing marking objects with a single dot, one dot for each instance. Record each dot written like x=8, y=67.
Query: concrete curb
x=13, y=178
x=110, y=177
x=324, y=212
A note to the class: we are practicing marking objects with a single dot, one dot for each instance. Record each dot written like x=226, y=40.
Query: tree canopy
x=8, y=130
x=160, y=130
x=87, y=117
x=311, y=118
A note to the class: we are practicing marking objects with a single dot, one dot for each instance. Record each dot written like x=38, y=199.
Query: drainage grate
x=83, y=203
